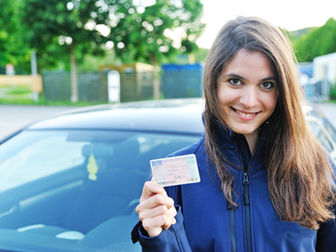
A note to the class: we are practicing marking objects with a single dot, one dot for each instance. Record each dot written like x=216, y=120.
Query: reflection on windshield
x=36, y=155
x=77, y=188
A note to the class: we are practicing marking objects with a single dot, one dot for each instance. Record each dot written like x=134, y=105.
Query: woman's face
x=247, y=91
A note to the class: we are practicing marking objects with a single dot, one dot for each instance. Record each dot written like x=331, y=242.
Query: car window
x=77, y=188
x=330, y=128
x=36, y=156
x=321, y=136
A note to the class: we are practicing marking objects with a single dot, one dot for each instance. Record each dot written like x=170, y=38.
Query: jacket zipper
x=246, y=198
x=246, y=183
x=233, y=246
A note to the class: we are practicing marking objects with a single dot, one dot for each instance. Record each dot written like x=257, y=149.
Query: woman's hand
x=156, y=210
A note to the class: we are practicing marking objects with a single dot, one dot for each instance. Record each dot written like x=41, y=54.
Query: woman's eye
x=234, y=82
x=267, y=85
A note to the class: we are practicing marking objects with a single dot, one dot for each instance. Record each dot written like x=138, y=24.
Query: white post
x=113, y=86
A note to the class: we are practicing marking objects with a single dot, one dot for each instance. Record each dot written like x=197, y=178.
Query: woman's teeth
x=249, y=115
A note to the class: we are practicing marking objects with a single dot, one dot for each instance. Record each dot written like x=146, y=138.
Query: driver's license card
x=175, y=170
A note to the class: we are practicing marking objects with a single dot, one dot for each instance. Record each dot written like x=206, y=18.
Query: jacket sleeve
x=173, y=239
x=326, y=235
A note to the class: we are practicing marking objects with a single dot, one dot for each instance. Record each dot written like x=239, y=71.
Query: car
x=71, y=182
x=322, y=129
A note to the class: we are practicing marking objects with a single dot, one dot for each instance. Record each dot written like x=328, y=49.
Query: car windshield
x=67, y=190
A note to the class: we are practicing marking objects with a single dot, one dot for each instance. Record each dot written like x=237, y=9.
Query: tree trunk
x=74, y=81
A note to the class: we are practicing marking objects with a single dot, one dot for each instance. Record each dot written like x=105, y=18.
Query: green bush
x=332, y=93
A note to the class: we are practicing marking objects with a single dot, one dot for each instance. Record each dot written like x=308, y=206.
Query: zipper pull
x=246, y=191
x=245, y=178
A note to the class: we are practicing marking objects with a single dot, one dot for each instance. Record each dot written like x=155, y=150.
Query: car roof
x=170, y=115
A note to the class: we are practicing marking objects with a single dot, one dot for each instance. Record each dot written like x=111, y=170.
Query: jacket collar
x=226, y=131
x=235, y=148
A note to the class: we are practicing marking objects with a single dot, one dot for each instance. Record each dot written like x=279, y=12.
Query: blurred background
x=83, y=52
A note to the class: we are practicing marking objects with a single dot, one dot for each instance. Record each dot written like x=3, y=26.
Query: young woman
x=266, y=183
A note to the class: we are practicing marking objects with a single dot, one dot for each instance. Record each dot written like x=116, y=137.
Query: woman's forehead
x=247, y=62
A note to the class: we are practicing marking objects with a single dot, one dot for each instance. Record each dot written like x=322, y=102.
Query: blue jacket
x=206, y=222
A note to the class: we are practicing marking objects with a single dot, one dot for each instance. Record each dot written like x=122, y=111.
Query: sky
x=289, y=14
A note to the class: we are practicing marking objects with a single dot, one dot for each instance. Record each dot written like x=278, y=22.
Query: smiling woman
x=266, y=182
x=247, y=93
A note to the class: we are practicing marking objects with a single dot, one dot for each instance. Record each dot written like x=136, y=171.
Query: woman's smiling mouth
x=243, y=115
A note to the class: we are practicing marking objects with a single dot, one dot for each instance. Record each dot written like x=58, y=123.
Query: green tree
x=318, y=41
x=13, y=47
x=138, y=32
x=154, y=32
x=70, y=26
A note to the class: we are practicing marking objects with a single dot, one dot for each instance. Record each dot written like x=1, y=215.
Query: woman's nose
x=249, y=97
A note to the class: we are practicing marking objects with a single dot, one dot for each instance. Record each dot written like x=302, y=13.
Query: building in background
x=318, y=77
x=325, y=68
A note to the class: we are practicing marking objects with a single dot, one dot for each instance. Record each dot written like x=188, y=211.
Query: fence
x=175, y=82
x=91, y=86
x=136, y=86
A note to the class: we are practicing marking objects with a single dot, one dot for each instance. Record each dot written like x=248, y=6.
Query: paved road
x=14, y=117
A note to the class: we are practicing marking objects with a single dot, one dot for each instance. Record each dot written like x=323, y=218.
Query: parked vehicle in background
x=71, y=182
x=323, y=130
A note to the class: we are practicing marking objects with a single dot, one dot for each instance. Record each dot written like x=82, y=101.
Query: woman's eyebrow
x=234, y=76
x=272, y=78
x=269, y=78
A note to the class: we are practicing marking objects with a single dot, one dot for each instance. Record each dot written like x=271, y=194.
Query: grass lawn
x=22, y=95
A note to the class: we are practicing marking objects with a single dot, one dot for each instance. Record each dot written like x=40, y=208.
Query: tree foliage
x=318, y=41
x=6, y=25
x=71, y=24
x=137, y=32
x=13, y=47
x=154, y=32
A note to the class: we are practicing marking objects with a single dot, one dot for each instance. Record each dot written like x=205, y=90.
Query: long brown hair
x=300, y=177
